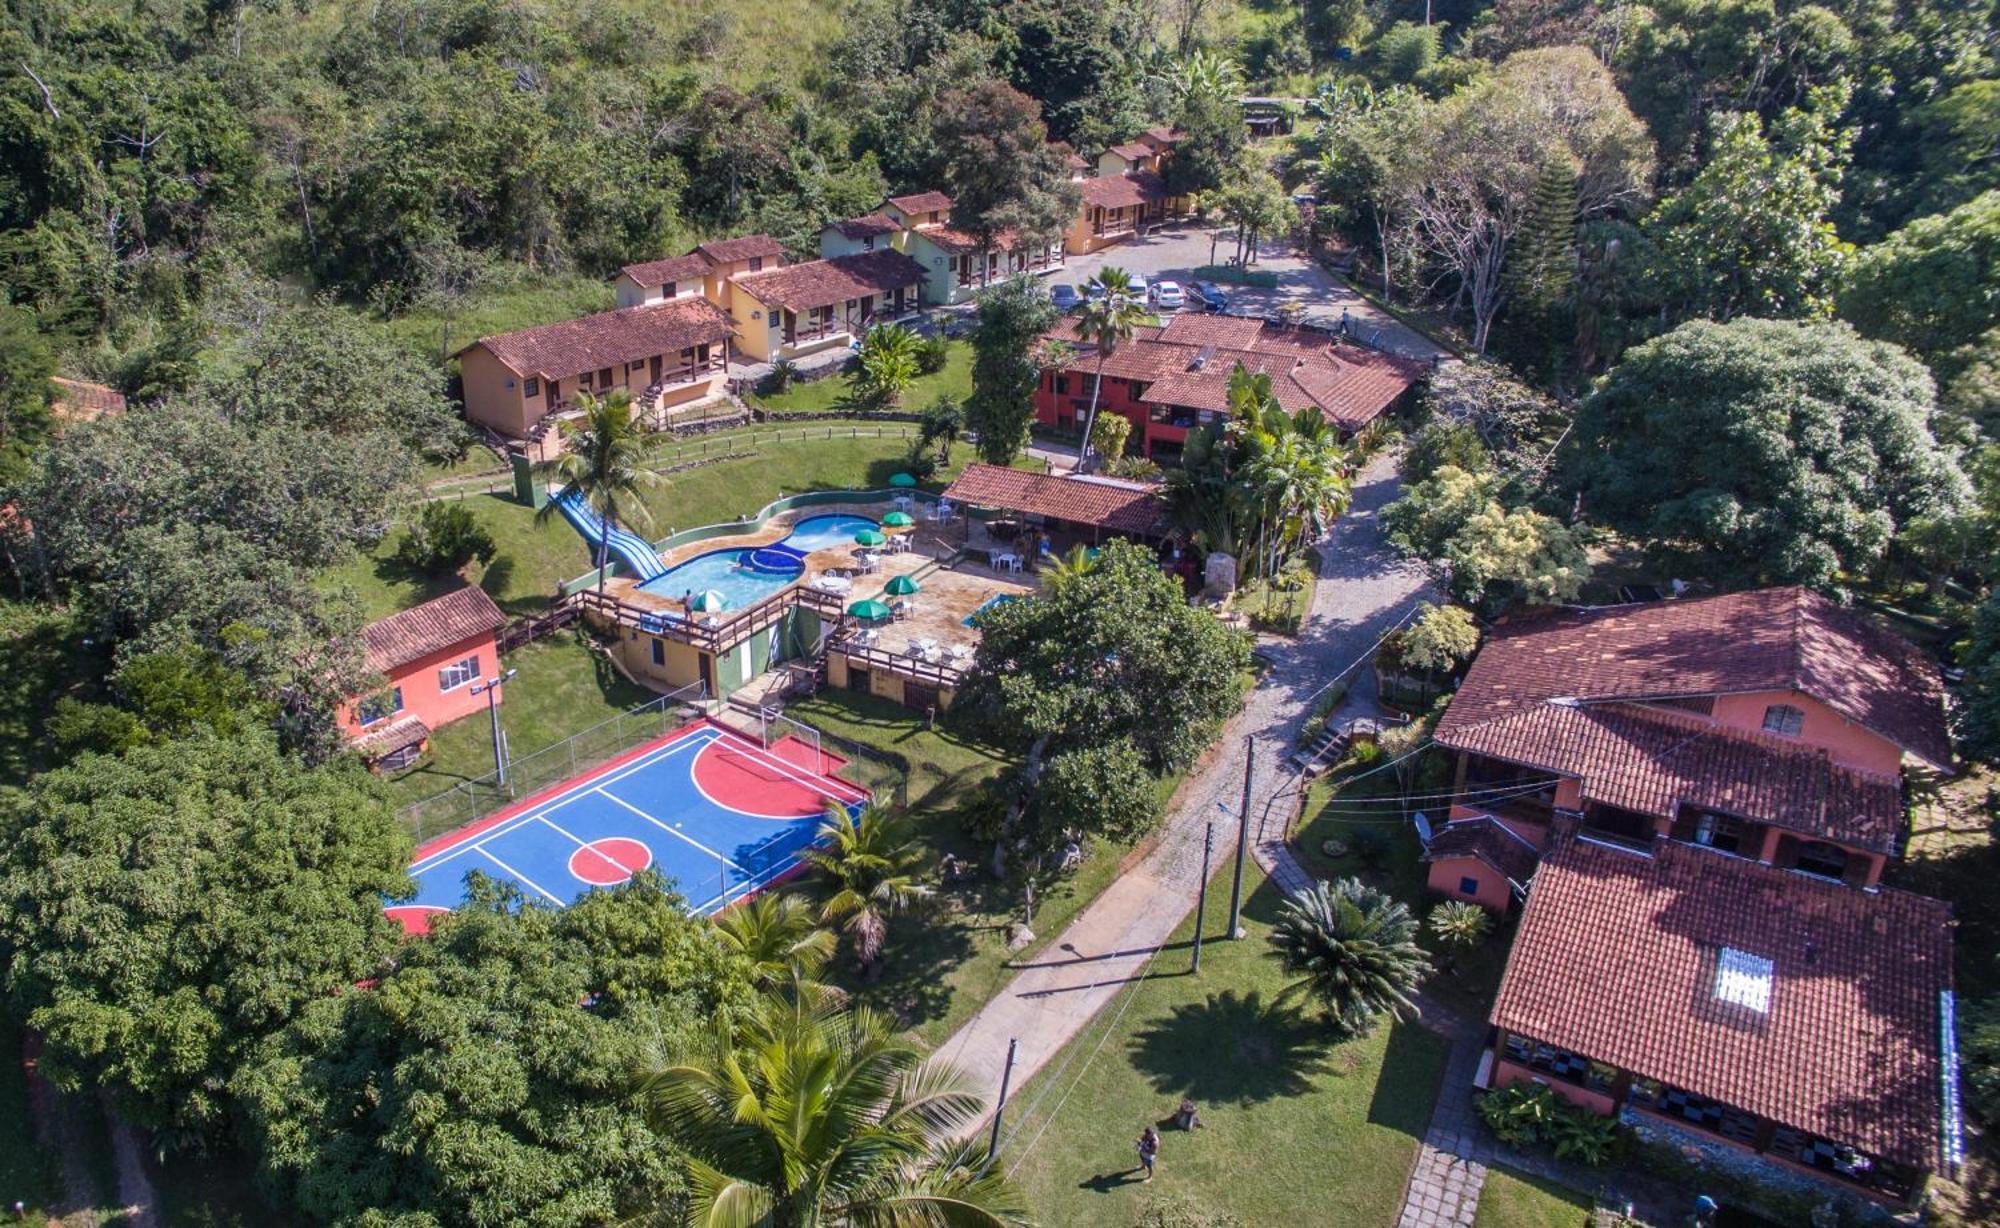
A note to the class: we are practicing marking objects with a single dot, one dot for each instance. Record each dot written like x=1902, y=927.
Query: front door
x=656, y=369
x=550, y=391
x=707, y=664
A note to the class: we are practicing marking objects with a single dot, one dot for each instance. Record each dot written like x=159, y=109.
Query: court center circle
x=609, y=861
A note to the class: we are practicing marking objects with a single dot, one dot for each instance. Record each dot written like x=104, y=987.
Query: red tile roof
x=691, y=267
x=1188, y=364
x=869, y=225
x=1772, y=639
x=1655, y=760
x=1487, y=840
x=1133, y=151
x=821, y=283
x=434, y=626
x=81, y=401
x=1127, y=507
x=1615, y=960
x=922, y=202
x=749, y=247
x=1075, y=161
x=1163, y=136
x=1125, y=191
x=379, y=740
x=558, y=351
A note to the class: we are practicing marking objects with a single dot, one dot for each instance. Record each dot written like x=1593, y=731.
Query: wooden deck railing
x=711, y=633
x=939, y=672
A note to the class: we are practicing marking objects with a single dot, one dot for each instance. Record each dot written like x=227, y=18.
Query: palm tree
x=1201, y=75
x=1069, y=568
x=602, y=462
x=778, y=933
x=888, y=364
x=820, y=1117
x=1354, y=949
x=1106, y=318
x=1459, y=926
x=869, y=862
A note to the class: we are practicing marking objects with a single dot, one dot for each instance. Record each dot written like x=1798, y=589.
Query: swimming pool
x=972, y=619
x=720, y=569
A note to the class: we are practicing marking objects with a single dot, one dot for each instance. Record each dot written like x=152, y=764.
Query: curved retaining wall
x=757, y=520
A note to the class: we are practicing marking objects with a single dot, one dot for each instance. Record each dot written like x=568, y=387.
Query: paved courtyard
x=1325, y=299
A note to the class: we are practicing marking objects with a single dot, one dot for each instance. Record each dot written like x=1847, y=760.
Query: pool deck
x=937, y=613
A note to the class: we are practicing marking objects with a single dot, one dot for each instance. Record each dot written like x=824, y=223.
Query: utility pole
x=492, y=692
x=1006, y=1077
x=1242, y=838
x=1201, y=899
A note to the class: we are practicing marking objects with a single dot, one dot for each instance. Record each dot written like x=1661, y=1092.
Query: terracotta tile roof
x=1162, y=135
x=434, y=626
x=873, y=225
x=1616, y=957
x=922, y=202
x=1773, y=639
x=1127, y=507
x=821, y=283
x=558, y=351
x=749, y=247
x=691, y=267
x=1133, y=151
x=81, y=401
x=1189, y=362
x=1487, y=840
x=1076, y=161
x=1655, y=760
x=390, y=736
x=1125, y=191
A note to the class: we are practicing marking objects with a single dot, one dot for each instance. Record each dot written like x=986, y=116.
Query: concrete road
x=1325, y=298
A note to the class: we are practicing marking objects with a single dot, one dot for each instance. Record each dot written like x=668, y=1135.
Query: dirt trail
x=64, y=1130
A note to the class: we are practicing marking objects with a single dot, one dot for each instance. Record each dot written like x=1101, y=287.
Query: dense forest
x=1726, y=274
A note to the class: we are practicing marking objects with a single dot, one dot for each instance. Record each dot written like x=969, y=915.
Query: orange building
x=428, y=657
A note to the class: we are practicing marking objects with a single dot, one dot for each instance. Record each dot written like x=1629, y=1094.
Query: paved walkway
x=1365, y=590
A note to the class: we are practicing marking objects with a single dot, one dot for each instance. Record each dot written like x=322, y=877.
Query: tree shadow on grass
x=914, y=986
x=1233, y=1049
x=1408, y=1084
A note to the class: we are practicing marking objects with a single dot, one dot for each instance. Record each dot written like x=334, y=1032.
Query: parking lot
x=1175, y=253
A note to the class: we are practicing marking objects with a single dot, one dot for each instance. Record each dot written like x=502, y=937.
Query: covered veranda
x=1016, y=517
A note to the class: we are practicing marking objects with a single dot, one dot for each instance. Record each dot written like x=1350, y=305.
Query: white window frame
x=470, y=667
x=1786, y=715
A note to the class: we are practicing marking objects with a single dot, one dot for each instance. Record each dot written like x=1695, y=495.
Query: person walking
x=1149, y=1150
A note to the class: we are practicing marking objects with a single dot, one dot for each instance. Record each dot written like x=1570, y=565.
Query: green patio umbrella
x=902, y=479
x=870, y=610
x=869, y=537
x=903, y=586
x=709, y=602
x=897, y=520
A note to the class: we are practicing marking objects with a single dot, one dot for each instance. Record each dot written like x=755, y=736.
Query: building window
x=1062, y=385
x=868, y=243
x=671, y=290
x=1784, y=719
x=531, y=387
x=659, y=653
x=604, y=378
x=756, y=264
x=1468, y=886
x=1561, y=1064
x=1819, y=857
x=380, y=707
x=458, y=673
x=1720, y=832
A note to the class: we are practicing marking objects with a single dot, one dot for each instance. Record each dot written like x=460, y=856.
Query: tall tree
x=1752, y=234
x=1932, y=287
x=869, y=863
x=25, y=392
x=168, y=909
x=1007, y=351
x=1106, y=319
x=1007, y=182
x=817, y=1117
x=1763, y=451
x=603, y=461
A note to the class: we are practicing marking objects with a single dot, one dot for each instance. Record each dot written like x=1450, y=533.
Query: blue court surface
x=715, y=812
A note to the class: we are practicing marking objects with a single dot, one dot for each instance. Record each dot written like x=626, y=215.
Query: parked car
x=1168, y=296
x=1209, y=295
x=1065, y=297
x=1137, y=286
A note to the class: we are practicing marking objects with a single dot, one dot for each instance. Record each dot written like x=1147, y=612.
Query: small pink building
x=429, y=657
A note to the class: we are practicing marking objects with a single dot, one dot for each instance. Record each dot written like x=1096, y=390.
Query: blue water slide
x=630, y=549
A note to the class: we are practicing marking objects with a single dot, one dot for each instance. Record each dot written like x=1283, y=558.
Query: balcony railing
x=942, y=673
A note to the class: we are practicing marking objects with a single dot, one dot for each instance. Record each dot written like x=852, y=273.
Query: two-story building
x=428, y=658
x=1171, y=379
x=1697, y=800
x=667, y=354
x=800, y=308
x=1128, y=191
x=956, y=266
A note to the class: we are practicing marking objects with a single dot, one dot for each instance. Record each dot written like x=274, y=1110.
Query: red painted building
x=1169, y=380
x=429, y=658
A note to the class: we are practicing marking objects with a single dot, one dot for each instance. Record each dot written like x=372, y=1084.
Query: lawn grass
x=522, y=577
x=1510, y=1201
x=1299, y=1128
x=1235, y=275
x=1275, y=608
x=832, y=394
x=523, y=301
x=562, y=689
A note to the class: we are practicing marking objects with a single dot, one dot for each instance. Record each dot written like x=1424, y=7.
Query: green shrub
x=932, y=354
x=1532, y=1115
x=782, y=375
x=444, y=538
x=1371, y=846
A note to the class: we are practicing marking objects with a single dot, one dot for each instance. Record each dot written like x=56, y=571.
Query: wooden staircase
x=1323, y=751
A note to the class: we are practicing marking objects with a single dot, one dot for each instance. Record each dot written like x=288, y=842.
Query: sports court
x=715, y=812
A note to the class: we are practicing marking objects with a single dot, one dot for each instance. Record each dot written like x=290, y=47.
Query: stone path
x=1451, y=1164
x=1364, y=592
